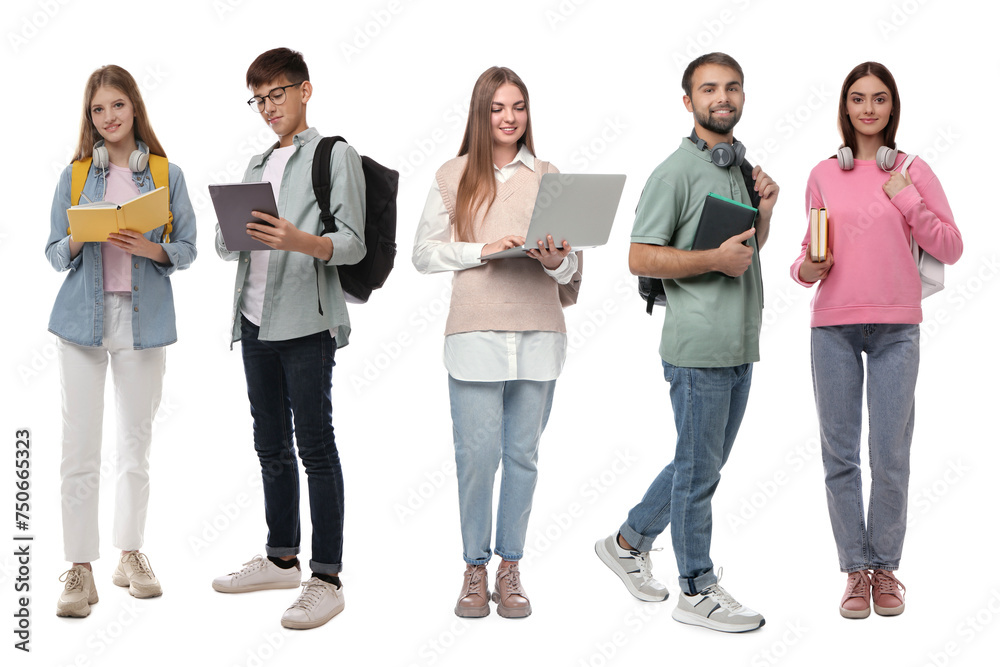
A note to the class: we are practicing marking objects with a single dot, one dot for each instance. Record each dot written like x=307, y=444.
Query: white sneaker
x=78, y=594
x=318, y=603
x=258, y=574
x=634, y=568
x=716, y=609
x=135, y=572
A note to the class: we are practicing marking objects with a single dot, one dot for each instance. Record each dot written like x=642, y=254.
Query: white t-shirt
x=252, y=303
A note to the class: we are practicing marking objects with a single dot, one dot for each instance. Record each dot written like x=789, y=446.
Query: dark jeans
x=286, y=379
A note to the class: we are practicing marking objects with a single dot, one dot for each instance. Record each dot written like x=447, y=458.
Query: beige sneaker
x=317, y=603
x=134, y=571
x=78, y=594
x=512, y=601
x=474, y=600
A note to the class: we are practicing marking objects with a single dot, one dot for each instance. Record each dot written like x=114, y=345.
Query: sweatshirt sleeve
x=813, y=200
x=925, y=208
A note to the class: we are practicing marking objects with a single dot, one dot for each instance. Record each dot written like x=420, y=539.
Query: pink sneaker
x=855, y=603
x=886, y=591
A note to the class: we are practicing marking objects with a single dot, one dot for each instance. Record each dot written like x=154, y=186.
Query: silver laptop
x=578, y=208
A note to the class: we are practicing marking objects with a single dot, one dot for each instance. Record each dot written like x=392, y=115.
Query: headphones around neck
x=137, y=161
x=723, y=154
x=885, y=158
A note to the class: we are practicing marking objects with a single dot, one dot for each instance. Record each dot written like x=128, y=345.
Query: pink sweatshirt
x=874, y=278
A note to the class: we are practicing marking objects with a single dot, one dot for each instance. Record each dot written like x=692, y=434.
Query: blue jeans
x=893, y=355
x=289, y=378
x=708, y=407
x=496, y=421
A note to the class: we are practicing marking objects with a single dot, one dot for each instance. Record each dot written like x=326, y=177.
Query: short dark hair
x=715, y=58
x=272, y=64
x=882, y=73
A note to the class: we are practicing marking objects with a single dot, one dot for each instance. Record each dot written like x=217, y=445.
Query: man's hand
x=767, y=189
x=732, y=257
x=283, y=235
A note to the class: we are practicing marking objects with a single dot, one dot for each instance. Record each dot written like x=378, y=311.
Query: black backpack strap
x=747, y=172
x=321, y=188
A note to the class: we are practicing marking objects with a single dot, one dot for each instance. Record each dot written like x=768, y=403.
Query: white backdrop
x=394, y=77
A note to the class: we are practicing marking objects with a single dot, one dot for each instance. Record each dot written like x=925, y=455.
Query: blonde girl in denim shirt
x=115, y=306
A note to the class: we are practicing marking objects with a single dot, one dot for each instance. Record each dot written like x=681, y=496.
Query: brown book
x=818, y=234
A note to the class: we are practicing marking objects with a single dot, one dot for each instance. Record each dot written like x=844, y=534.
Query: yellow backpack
x=158, y=169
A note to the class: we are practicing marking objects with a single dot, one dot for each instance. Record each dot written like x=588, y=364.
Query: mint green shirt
x=711, y=320
x=290, y=295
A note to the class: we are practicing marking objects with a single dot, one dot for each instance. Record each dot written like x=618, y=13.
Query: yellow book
x=818, y=234
x=93, y=222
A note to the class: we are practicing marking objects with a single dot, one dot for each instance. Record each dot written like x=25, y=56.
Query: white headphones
x=885, y=158
x=137, y=161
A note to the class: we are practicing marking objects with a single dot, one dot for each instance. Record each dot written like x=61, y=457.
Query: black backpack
x=651, y=289
x=381, y=186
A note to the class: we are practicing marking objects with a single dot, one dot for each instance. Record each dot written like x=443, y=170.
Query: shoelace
x=722, y=597
x=72, y=578
x=312, y=589
x=645, y=562
x=887, y=583
x=250, y=566
x=474, y=578
x=511, y=576
x=140, y=563
x=861, y=584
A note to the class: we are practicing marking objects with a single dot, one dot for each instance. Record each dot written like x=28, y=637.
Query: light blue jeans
x=708, y=407
x=893, y=355
x=496, y=421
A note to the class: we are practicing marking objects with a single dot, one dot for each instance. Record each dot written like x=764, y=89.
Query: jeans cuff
x=278, y=552
x=509, y=556
x=692, y=585
x=883, y=566
x=477, y=561
x=638, y=541
x=325, y=568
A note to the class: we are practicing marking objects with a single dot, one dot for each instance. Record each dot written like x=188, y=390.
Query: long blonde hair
x=116, y=77
x=478, y=184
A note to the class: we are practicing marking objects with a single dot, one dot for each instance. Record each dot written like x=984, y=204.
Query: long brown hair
x=847, y=131
x=116, y=77
x=478, y=185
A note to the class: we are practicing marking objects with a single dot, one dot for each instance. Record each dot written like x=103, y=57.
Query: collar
x=523, y=156
x=299, y=140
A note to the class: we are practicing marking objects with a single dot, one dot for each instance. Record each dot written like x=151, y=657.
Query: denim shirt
x=290, y=296
x=78, y=313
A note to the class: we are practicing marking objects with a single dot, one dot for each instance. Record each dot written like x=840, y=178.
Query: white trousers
x=138, y=378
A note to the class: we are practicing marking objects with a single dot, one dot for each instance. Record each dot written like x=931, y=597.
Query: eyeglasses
x=276, y=95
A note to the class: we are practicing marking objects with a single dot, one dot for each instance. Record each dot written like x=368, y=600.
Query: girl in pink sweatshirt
x=868, y=301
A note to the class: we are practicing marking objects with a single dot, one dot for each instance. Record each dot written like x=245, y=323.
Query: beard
x=719, y=125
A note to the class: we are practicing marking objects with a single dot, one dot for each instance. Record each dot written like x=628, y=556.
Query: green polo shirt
x=711, y=320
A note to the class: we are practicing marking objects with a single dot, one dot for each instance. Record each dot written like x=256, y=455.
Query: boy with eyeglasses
x=289, y=343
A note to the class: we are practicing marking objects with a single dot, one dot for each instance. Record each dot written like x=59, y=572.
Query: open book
x=94, y=221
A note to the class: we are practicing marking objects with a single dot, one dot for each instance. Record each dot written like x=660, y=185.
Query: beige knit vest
x=502, y=294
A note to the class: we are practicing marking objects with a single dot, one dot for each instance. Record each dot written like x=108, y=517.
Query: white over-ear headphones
x=137, y=161
x=885, y=158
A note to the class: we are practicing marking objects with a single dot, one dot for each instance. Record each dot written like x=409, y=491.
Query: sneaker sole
x=511, y=612
x=889, y=611
x=309, y=625
x=695, y=619
x=223, y=588
x=473, y=612
x=81, y=610
x=119, y=579
x=611, y=561
x=856, y=613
